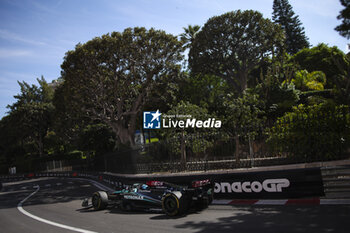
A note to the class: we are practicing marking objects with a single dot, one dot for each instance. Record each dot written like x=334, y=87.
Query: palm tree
x=189, y=35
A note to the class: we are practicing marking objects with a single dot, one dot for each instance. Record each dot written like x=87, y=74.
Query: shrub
x=318, y=132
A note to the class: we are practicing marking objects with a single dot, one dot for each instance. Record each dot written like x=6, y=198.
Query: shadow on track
x=310, y=219
x=115, y=210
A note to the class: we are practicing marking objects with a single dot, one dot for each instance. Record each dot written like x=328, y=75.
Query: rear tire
x=100, y=200
x=174, y=204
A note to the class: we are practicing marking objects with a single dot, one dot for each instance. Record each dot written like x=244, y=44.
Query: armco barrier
x=336, y=181
x=277, y=184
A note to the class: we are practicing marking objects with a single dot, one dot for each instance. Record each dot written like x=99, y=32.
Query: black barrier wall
x=296, y=183
x=282, y=184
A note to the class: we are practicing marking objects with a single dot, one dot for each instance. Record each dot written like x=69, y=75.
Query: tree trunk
x=40, y=145
x=243, y=80
x=124, y=135
x=237, y=149
x=183, y=151
x=251, y=152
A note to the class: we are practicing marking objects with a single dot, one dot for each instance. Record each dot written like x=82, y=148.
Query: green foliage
x=31, y=114
x=320, y=58
x=317, y=132
x=284, y=15
x=96, y=139
x=231, y=45
x=106, y=83
x=194, y=138
x=344, y=15
x=304, y=80
x=245, y=115
x=278, y=94
x=23, y=132
x=189, y=35
x=342, y=80
x=110, y=78
x=32, y=94
x=76, y=154
x=10, y=140
x=280, y=98
x=67, y=123
x=75, y=132
x=206, y=91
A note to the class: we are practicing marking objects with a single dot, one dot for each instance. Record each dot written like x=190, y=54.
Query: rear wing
x=200, y=183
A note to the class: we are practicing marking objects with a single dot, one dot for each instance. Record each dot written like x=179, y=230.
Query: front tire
x=100, y=200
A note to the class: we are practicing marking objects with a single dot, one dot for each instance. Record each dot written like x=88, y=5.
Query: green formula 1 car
x=173, y=199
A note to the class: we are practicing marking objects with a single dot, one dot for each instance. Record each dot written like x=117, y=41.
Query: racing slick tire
x=174, y=204
x=99, y=200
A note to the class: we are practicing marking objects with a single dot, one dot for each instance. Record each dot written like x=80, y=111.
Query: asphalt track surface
x=58, y=201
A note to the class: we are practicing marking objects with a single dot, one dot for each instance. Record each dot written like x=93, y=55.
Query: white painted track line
x=20, y=208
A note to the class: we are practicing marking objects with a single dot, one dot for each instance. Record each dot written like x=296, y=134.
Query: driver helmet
x=144, y=186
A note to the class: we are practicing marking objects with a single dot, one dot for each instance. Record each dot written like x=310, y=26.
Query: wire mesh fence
x=306, y=136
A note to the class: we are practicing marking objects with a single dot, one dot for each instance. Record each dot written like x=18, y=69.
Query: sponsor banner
x=268, y=185
x=296, y=183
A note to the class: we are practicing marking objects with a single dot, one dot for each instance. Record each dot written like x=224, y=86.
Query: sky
x=36, y=34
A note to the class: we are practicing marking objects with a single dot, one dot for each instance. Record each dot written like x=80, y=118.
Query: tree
x=11, y=143
x=68, y=123
x=312, y=133
x=320, y=58
x=284, y=15
x=72, y=129
x=180, y=140
x=342, y=80
x=96, y=140
x=304, y=80
x=231, y=45
x=189, y=35
x=344, y=27
x=277, y=90
x=244, y=118
x=33, y=113
x=24, y=130
x=204, y=90
x=110, y=78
